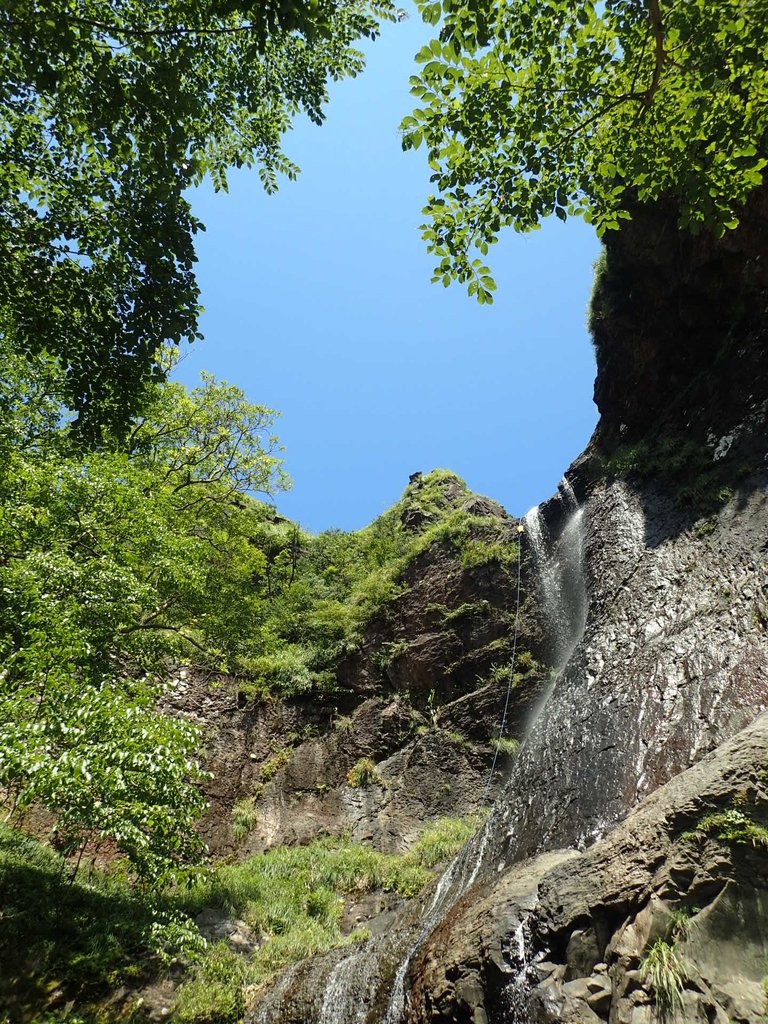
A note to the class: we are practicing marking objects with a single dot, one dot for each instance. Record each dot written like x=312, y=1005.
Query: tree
x=114, y=566
x=534, y=107
x=109, y=111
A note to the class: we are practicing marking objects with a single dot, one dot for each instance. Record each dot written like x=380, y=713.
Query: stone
x=582, y=953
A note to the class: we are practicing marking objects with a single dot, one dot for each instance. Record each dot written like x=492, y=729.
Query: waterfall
x=561, y=578
x=558, y=564
x=343, y=999
x=560, y=573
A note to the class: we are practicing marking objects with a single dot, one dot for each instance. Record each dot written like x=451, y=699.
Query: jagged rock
x=216, y=926
x=614, y=886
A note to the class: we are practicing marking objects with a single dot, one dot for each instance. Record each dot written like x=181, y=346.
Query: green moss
x=683, y=465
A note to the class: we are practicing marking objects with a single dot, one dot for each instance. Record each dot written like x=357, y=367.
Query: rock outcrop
x=569, y=941
x=419, y=696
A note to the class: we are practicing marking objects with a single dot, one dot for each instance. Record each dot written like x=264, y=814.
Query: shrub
x=663, y=971
x=363, y=773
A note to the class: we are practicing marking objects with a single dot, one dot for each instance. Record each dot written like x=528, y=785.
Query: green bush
x=663, y=971
x=363, y=773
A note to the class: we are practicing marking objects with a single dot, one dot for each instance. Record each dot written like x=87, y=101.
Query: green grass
x=663, y=971
x=244, y=818
x=292, y=898
x=506, y=745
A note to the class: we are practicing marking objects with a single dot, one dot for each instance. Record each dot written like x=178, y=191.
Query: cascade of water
x=342, y=999
x=564, y=603
x=561, y=578
x=516, y=992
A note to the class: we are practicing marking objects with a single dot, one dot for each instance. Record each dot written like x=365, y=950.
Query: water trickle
x=342, y=999
x=515, y=997
x=560, y=576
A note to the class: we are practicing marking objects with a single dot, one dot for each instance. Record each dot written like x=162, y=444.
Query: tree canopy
x=115, y=566
x=534, y=107
x=109, y=111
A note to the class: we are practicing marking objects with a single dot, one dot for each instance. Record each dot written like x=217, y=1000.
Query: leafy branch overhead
x=534, y=107
x=109, y=111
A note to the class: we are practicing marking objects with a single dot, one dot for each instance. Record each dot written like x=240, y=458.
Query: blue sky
x=319, y=304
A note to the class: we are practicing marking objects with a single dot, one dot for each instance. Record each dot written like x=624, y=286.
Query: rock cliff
x=621, y=875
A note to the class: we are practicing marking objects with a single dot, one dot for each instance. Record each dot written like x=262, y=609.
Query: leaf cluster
x=115, y=565
x=529, y=108
x=109, y=111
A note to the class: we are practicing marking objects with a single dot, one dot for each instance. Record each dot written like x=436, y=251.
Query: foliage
x=87, y=936
x=662, y=969
x=110, y=111
x=732, y=825
x=244, y=817
x=272, y=765
x=292, y=898
x=91, y=936
x=325, y=589
x=534, y=107
x=363, y=773
x=700, y=482
x=442, y=840
x=506, y=745
x=113, y=565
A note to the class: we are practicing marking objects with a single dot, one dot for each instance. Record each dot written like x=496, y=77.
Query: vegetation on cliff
x=71, y=942
x=120, y=563
x=321, y=591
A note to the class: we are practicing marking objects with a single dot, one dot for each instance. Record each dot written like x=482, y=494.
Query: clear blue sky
x=319, y=304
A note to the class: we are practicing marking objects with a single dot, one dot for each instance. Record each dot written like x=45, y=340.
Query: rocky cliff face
x=418, y=698
x=622, y=874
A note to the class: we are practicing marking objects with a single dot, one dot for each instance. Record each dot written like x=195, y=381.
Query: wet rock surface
x=588, y=920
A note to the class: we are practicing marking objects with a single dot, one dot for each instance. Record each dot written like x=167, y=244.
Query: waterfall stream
x=560, y=574
x=350, y=988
